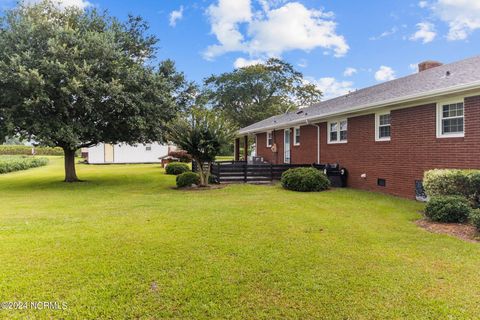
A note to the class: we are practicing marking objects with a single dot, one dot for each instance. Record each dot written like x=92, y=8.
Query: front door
x=108, y=153
x=286, y=158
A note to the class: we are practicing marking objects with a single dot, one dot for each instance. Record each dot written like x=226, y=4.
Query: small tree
x=73, y=78
x=201, y=133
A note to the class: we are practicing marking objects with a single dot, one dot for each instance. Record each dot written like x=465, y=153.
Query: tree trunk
x=70, y=172
x=201, y=173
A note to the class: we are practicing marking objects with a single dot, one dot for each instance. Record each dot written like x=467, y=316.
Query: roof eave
x=427, y=95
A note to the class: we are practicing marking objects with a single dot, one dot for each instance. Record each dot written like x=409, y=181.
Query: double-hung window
x=383, y=130
x=450, y=120
x=269, y=139
x=296, y=136
x=338, y=131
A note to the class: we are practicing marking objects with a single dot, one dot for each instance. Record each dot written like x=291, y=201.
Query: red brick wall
x=413, y=149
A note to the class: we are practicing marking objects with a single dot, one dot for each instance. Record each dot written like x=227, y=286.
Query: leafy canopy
x=253, y=93
x=73, y=78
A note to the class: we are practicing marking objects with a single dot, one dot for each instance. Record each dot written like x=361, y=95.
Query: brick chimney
x=422, y=66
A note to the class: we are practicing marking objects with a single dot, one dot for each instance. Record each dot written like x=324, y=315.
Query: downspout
x=318, y=140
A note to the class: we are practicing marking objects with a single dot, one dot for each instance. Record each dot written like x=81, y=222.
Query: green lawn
x=125, y=245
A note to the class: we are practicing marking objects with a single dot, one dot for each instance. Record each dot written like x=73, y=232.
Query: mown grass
x=125, y=245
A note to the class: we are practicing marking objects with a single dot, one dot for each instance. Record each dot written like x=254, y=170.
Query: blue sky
x=340, y=45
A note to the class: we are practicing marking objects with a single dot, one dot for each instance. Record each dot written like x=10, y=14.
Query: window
x=296, y=136
x=450, y=119
x=148, y=147
x=269, y=139
x=338, y=131
x=383, y=129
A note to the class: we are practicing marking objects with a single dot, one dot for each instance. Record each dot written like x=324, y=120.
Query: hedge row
x=15, y=163
x=453, y=195
x=27, y=151
x=451, y=182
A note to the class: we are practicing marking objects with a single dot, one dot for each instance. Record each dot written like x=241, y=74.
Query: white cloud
x=423, y=4
x=242, y=62
x=303, y=63
x=175, y=16
x=384, y=74
x=426, y=32
x=462, y=16
x=271, y=32
x=225, y=18
x=413, y=67
x=385, y=34
x=82, y=4
x=330, y=87
x=349, y=72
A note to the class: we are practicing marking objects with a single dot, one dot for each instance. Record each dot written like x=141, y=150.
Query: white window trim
x=440, y=105
x=338, y=131
x=295, y=142
x=266, y=136
x=377, y=126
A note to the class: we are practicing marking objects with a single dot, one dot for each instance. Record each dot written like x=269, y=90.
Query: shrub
x=27, y=151
x=475, y=218
x=18, y=163
x=448, y=209
x=305, y=180
x=186, y=179
x=176, y=168
x=181, y=155
x=447, y=183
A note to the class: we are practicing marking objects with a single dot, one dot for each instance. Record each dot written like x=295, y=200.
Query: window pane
x=384, y=119
x=334, y=126
x=333, y=136
x=384, y=132
x=452, y=125
x=452, y=110
x=343, y=135
x=343, y=125
x=297, y=135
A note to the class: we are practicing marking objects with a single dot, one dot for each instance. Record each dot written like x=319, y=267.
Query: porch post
x=236, y=149
x=245, y=148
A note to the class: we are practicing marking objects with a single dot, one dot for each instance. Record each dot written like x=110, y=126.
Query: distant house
x=387, y=135
x=104, y=153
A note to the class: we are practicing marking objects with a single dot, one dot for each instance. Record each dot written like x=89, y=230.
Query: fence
x=240, y=171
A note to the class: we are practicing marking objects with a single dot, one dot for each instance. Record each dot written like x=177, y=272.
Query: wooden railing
x=240, y=171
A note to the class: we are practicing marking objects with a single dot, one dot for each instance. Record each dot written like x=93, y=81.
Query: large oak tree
x=73, y=78
x=253, y=93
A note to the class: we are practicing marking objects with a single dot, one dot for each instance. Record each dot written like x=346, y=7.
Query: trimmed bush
x=27, y=151
x=447, y=183
x=186, y=179
x=475, y=218
x=176, y=168
x=18, y=163
x=305, y=180
x=448, y=209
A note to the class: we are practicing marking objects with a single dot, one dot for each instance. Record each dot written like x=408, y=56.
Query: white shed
x=104, y=153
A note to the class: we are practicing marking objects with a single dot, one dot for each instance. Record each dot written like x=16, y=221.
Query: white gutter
x=430, y=94
x=318, y=140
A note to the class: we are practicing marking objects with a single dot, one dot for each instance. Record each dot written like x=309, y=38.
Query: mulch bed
x=461, y=231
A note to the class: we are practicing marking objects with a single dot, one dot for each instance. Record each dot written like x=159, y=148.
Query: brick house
x=387, y=135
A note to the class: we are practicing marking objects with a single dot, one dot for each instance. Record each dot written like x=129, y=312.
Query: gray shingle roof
x=439, y=79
